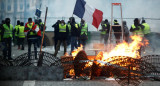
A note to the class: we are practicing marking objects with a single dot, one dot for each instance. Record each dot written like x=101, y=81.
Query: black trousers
x=8, y=48
x=30, y=42
x=55, y=42
x=117, y=36
x=21, y=42
x=58, y=46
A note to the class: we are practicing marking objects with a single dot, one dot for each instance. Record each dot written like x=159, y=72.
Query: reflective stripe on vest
x=84, y=29
x=146, y=28
x=62, y=28
x=104, y=32
x=137, y=32
x=16, y=27
x=7, y=31
x=21, y=32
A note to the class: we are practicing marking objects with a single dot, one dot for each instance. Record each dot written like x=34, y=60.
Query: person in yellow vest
x=107, y=29
x=15, y=35
x=148, y=35
x=21, y=36
x=31, y=36
x=137, y=29
x=103, y=31
x=146, y=29
x=7, y=32
x=83, y=33
x=117, y=31
x=62, y=37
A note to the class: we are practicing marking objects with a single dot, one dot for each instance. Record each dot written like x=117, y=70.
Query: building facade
x=18, y=9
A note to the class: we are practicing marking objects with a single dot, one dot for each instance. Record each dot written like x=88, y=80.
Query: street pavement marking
x=29, y=83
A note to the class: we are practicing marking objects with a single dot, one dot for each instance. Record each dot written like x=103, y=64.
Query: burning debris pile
x=126, y=49
x=122, y=62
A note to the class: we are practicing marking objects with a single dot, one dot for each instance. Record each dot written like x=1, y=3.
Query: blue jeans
x=74, y=43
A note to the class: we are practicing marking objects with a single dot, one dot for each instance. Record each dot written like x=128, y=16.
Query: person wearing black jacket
x=62, y=37
x=83, y=33
x=117, y=31
x=107, y=32
x=55, y=26
x=137, y=29
x=75, y=34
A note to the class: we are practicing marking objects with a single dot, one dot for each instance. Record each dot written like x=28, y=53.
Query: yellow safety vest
x=104, y=32
x=138, y=32
x=7, y=31
x=62, y=28
x=146, y=28
x=84, y=29
x=21, y=32
x=16, y=27
x=69, y=27
x=30, y=27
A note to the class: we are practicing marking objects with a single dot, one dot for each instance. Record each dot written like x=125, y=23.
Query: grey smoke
x=64, y=8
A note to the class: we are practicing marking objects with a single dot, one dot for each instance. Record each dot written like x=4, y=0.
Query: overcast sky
x=130, y=9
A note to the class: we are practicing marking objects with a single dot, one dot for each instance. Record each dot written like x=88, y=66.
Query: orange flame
x=126, y=49
x=75, y=52
x=66, y=54
x=71, y=72
x=122, y=49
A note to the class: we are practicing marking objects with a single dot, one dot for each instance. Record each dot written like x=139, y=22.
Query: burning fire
x=75, y=52
x=122, y=49
x=126, y=49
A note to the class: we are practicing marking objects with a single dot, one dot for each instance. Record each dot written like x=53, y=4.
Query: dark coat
x=55, y=26
x=75, y=31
